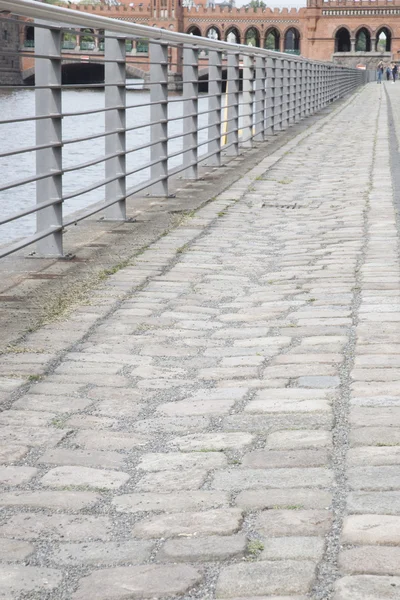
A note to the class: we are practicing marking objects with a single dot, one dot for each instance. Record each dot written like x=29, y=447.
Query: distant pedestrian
x=380, y=72
x=394, y=73
x=388, y=73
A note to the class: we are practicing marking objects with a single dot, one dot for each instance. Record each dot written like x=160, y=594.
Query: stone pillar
x=353, y=45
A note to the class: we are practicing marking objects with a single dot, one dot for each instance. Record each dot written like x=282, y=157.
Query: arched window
x=363, y=40
x=292, y=41
x=252, y=37
x=342, y=40
x=29, y=41
x=87, y=39
x=272, y=39
x=213, y=34
x=69, y=40
x=232, y=36
x=194, y=31
x=383, y=40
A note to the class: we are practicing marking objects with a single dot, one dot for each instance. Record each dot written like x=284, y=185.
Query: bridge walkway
x=226, y=423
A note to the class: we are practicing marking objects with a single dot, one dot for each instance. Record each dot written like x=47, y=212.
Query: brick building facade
x=10, y=72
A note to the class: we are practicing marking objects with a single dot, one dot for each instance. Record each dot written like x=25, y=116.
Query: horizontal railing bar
x=27, y=180
x=90, y=188
x=147, y=165
x=30, y=149
x=181, y=168
x=94, y=136
x=28, y=241
x=91, y=163
x=146, y=145
x=28, y=211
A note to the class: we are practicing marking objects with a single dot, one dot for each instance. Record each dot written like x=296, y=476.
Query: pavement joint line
x=328, y=568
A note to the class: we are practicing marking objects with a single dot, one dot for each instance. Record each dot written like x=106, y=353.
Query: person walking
x=380, y=72
x=394, y=72
x=388, y=73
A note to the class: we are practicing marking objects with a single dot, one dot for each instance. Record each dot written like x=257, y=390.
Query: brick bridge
x=350, y=32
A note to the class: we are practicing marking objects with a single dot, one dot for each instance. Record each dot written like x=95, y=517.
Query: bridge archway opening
x=29, y=36
x=272, y=39
x=363, y=40
x=292, y=41
x=232, y=35
x=81, y=73
x=252, y=37
x=342, y=40
x=194, y=31
x=383, y=40
x=213, y=33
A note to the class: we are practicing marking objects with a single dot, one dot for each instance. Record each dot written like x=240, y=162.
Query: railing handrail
x=63, y=16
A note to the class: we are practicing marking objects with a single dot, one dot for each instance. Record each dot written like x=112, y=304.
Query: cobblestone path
x=223, y=419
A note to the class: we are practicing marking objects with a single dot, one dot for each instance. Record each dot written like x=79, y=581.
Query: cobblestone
x=230, y=429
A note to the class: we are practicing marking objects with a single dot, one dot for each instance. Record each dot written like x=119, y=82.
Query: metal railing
x=251, y=93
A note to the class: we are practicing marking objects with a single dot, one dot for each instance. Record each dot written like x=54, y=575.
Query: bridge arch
x=342, y=40
x=232, y=35
x=252, y=37
x=363, y=39
x=29, y=36
x=383, y=39
x=291, y=41
x=272, y=39
x=213, y=33
x=194, y=30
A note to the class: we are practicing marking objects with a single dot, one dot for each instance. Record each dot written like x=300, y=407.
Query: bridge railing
x=144, y=137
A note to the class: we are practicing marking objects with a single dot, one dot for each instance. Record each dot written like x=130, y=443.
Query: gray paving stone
x=212, y=548
x=84, y=476
x=172, y=502
x=109, y=441
x=26, y=526
x=318, y=381
x=182, y=460
x=374, y=502
x=265, y=577
x=31, y=436
x=18, y=579
x=373, y=456
x=371, y=529
x=65, y=500
x=188, y=479
x=16, y=475
x=293, y=548
x=172, y=424
x=283, y=498
x=294, y=522
x=147, y=581
x=93, y=458
x=54, y=404
x=369, y=416
x=374, y=478
x=212, y=522
x=372, y=560
x=196, y=407
x=375, y=436
x=12, y=453
x=241, y=479
x=13, y=550
x=264, y=459
x=212, y=441
x=367, y=587
x=292, y=440
x=102, y=553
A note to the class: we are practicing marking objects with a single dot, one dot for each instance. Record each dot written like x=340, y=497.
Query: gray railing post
x=285, y=94
x=214, y=117
x=159, y=117
x=291, y=91
x=247, y=129
x=190, y=103
x=115, y=95
x=260, y=93
x=49, y=131
x=232, y=102
x=278, y=95
x=269, y=96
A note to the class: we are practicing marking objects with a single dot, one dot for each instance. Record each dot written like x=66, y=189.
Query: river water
x=16, y=103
